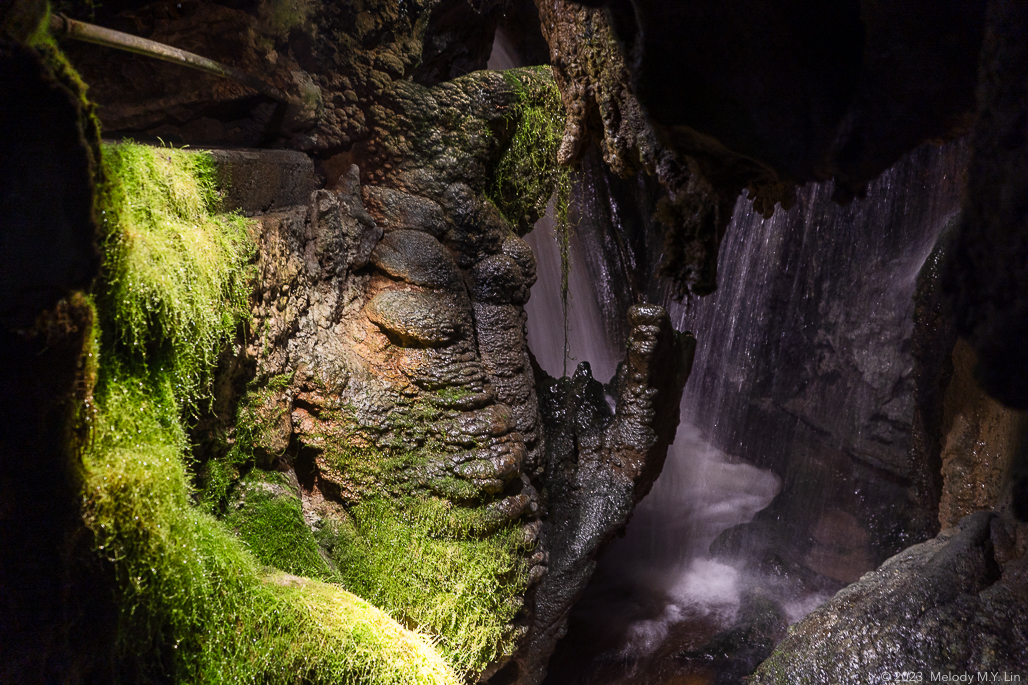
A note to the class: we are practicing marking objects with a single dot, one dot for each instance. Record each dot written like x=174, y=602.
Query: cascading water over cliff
x=799, y=408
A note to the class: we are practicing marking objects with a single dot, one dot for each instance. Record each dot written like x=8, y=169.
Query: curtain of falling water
x=811, y=325
x=588, y=338
x=808, y=334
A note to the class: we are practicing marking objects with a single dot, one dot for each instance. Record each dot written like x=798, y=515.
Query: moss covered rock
x=193, y=602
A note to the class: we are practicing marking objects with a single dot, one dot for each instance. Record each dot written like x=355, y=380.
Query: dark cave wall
x=55, y=607
x=811, y=90
x=986, y=278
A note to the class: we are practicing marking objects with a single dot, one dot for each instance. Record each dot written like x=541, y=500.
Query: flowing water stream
x=796, y=417
x=811, y=325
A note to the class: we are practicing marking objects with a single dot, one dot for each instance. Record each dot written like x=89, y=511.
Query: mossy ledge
x=423, y=546
x=405, y=558
x=194, y=605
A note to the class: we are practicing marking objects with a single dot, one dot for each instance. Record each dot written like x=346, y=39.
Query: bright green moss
x=455, y=572
x=370, y=473
x=409, y=561
x=175, y=276
x=528, y=174
x=257, y=414
x=268, y=518
x=367, y=646
x=194, y=605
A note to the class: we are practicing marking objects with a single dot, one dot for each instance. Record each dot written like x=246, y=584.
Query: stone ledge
x=259, y=181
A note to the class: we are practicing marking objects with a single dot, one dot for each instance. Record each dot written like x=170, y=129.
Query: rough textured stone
x=599, y=464
x=414, y=319
x=417, y=258
x=952, y=605
x=590, y=66
x=787, y=103
x=259, y=181
x=981, y=440
x=828, y=400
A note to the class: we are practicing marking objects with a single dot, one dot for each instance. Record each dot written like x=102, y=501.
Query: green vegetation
x=194, y=605
x=257, y=414
x=455, y=572
x=528, y=173
x=268, y=518
x=175, y=277
x=412, y=562
x=374, y=649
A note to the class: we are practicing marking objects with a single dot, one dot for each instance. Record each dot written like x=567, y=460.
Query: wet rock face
x=337, y=59
x=255, y=181
x=393, y=306
x=979, y=446
x=389, y=315
x=391, y=395
x=599, y=464
x=952, y=605
x=823, y=379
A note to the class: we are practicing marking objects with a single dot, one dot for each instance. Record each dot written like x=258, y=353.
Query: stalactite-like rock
x=591, y=68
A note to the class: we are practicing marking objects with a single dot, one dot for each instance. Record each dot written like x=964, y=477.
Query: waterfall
x=588, y=337
x=801, y=388
x=792, y=458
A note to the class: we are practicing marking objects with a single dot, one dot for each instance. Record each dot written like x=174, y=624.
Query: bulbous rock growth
x=394, y=305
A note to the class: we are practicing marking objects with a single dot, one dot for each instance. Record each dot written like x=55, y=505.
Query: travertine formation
x=395, y=309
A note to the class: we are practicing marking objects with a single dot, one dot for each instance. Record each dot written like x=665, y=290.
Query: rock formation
x=409, y=376
x=380, y=414
x=952, y=606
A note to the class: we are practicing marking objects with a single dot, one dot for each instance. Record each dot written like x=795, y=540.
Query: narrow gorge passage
x=297, y=385
x=838, y=282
